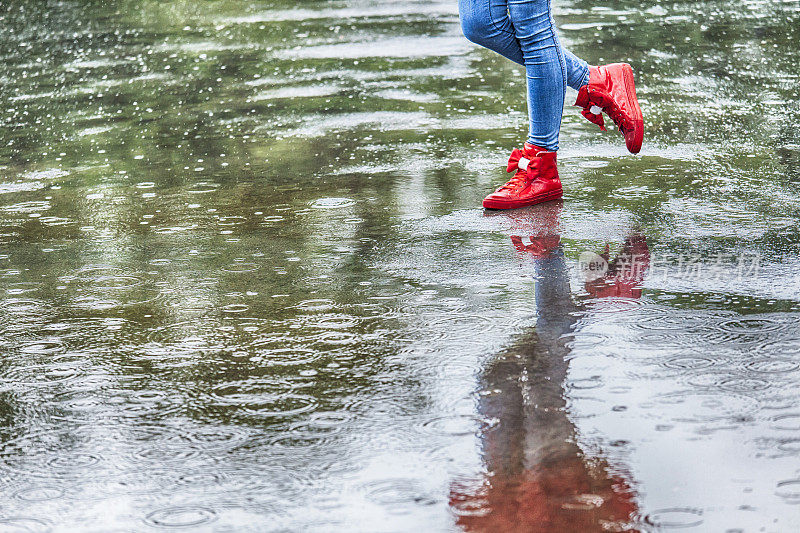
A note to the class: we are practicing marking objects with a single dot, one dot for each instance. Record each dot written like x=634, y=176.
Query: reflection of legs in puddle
x=524, y=32
x=538, y=477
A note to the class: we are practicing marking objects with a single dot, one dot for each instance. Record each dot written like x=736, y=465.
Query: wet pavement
x=245, y=282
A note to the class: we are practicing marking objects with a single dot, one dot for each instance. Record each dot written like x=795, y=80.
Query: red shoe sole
x=633, y=140
x=547, y=197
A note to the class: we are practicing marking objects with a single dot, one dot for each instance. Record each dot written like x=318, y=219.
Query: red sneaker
x=612, y=89
x=536, y=180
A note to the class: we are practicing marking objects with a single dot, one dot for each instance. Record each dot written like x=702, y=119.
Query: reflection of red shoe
x=625, y=273
x=612, y=89
x=536, y=180
x=540, y=247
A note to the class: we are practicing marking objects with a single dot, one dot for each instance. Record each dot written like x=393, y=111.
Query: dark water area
x=246, y=283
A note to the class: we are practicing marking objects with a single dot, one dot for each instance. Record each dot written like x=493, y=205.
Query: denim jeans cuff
x=585, y=79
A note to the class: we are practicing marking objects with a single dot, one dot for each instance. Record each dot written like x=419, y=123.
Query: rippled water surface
x=245, y=282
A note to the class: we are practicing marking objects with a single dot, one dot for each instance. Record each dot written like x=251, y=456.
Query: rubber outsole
x=496, y=205
x=633, y=141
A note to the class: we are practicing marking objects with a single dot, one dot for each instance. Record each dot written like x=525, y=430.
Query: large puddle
x=245, y=282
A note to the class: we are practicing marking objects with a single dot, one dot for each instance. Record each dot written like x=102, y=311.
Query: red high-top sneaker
x=536, y=180
x=612, y=89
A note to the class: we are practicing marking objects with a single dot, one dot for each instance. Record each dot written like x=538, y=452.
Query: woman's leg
x=545, y=66
x=577, y=70
x=486, y=22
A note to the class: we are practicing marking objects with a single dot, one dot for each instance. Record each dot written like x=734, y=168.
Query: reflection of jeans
x=553, y=295
x=524, y=32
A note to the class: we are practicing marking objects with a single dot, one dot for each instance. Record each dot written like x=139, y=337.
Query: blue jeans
x=524, y=32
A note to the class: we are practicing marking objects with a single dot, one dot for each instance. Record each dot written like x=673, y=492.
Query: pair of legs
x=524, y=32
